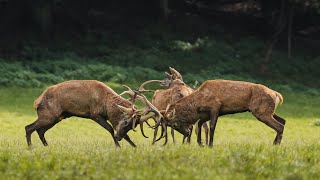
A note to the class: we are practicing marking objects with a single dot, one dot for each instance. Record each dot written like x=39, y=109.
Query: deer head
x=137, y=116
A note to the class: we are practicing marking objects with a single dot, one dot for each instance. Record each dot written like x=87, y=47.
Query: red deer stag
x=87, y=99
x=215, y=98
x=177, y=89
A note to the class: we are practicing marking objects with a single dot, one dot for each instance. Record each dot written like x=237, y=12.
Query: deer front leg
x=214, y=114
x=127, y=138
x=102, y=122
x=201, y=121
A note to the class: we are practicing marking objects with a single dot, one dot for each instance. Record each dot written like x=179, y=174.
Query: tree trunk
x=279, y=27
x=42, y=16
x=164, y=9
x=290, y=21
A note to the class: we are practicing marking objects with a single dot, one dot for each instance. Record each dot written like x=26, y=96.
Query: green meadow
x=80, y=148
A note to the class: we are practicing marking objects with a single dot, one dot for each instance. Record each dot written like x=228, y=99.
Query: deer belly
x=233, y=108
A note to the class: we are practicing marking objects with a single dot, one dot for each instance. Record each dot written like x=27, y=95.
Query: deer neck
x=187, y=110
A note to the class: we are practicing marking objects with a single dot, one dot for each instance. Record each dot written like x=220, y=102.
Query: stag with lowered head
x=215, y=98
x=87, y=99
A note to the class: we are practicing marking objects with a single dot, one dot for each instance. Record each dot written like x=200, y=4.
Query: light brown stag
x=215, y=98
x=87, y=99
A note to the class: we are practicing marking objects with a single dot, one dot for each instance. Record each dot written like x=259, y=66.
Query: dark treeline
x=48, y=20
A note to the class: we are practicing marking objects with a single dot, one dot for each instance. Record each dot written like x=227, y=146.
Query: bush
x=197, y=59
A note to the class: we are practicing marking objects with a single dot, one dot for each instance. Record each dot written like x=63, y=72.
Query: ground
x=80, y=148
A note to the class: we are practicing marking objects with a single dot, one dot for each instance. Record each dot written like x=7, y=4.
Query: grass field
x=79, y=148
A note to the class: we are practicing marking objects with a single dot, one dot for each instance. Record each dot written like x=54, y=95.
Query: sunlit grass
x=80, y=148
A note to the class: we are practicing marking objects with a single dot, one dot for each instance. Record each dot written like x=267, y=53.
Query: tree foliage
x=45, y=20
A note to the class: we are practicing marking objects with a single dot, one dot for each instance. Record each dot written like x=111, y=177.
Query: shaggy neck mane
x=186, y=109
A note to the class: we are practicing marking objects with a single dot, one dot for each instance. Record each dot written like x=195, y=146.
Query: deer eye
x=126, y=123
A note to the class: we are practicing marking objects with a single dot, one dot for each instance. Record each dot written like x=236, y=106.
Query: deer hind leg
x=41, y=125
x=29, y=130
x=189, y=137
x=206, y=131
x=42, y=130
x=279, y=119
x=184, y=139
x=102, y=122
x=270, y=121
x=172, y=134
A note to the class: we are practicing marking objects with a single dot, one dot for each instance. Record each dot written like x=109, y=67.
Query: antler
x=151, y=108
x=133, y=95
x=148, y=107
x=157, y=117
x=141, y=88
x=129, y=91
x=171, y=77
x=175, y=74
x=144, y=119
x=164, y=133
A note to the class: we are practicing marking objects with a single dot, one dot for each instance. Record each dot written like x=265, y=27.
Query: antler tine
x=175, y=73
x=165, y=135
x=144, y=119
x=133, y=95
x=155, y=135
x=141, y=88
x=159, y=121
x=149, y=107
x=158, y=118
x=127, y=87
x=169, y=76
x=129, y=92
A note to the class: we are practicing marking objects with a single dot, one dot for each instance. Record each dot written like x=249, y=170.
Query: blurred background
x=275, y=42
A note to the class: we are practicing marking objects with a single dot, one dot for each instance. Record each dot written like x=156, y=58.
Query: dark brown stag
x=215, y=98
